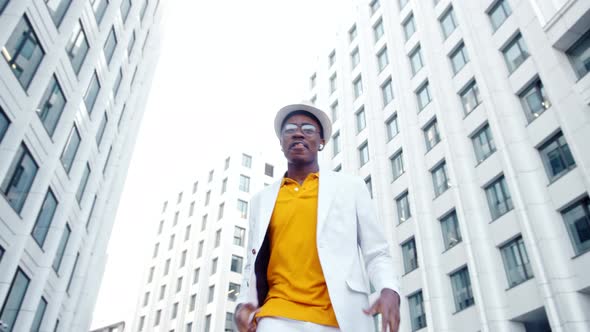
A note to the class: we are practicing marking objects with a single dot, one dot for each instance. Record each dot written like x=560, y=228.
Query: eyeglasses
x=306, y=128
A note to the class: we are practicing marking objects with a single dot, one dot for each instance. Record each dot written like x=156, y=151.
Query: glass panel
x=450, y=230
x=125, y=9
x=4, y=124
x=416, y=60
x=14, y=300
x=83, y=183
x=101, y=129
x=19, y=178
x=110, y=45
x=99, y=7
x=577, y=220
x=579, y=55
x=77, y=47
x=515, y=53
x=409, y=27
x=35, y=326
x=499, y=13
x=92, y=93
x=382, y=59
x=51, y=105
x=23, y=52
x=61, y=248
x=448, y=22
x=44, y=218
x=57, y=9
x=71, y=148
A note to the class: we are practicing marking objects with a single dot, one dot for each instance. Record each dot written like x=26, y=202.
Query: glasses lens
x=308, y=129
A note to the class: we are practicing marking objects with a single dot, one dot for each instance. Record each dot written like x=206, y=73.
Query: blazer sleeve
x=373, y=243
x=246, y=282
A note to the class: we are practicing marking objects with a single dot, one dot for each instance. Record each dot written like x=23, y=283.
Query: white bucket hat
x=306, y=107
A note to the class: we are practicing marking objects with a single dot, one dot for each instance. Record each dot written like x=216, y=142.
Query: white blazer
x=348, y=234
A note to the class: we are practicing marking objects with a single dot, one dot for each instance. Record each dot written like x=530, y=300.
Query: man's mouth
x=298, y=144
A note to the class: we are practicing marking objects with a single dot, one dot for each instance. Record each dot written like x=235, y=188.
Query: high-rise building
x=194, y=270
x=470, y=122
x=74, y=78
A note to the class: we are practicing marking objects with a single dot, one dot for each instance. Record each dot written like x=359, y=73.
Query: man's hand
x=388, y=306
x=244, y=317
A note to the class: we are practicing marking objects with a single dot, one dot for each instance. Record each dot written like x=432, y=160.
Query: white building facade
x=470, y=122
x=74, y=78
x=194, y=269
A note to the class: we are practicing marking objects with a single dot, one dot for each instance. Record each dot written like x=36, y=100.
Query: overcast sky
x=225, y=68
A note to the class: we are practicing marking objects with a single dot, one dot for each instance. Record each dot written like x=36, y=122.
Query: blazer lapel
x=267, y=204
x=327, y=191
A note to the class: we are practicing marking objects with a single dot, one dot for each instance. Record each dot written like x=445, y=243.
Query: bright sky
x=225, y=68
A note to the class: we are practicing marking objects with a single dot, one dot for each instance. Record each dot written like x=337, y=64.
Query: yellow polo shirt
x=297, y=288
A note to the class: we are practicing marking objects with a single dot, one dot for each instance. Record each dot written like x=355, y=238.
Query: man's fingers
x=374, y=309
x=384, y=321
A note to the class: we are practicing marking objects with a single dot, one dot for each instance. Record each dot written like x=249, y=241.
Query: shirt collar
x=286, y=179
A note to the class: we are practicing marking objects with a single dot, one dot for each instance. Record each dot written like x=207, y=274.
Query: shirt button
x=253, y=251
x=296, y=188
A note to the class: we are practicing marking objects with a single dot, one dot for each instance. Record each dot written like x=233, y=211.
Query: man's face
x=300, y=146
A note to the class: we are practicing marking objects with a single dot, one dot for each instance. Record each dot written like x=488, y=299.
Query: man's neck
x=300, y=172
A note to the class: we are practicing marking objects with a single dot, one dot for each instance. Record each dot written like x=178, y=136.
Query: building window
x=577, y=221
x=131, y=43
x=207, y=197
x=4, y=124
x=387, y=92
x=204, y=223
x=44, y=218
x=117, y=83
x=417, y=314
x=246, y=161
x=156, y=248
x=450, y=230
x=19, y=178
x=243, y=208
x=83, y=183
x=51, y=106
x=160, y=227
x=499, y=199
x=57, y=9
x=236, y=264
x=369, y=185
x=192, y=303
x=226, y=165
x=470, y=97
x=244, y=183
x=534, y=100
x=448, y=22
x=357, y=86
x=314, y=99
x=416, y=59
x=196, y=275
x=146, y=298
x=515, y=53
x=167, y=267
x=101, y=129
x=195, y=186
x=182, y=259
x=378, y=30
x=364, y=154
x=397, y=165
x=410, y=255
x=556, y=156
x=171, y=242
x=268, y=170
x=210, y=299
x=61, y=249
x=125, y=9
x=409, y=26
x=374, y=6
x=355, y=58
x=229, y=321
x=579, y=55
x=459, y=58
x=239, y=236
x=361, y=122
x=402, y=3
x=164, y=206
x=332, y=58
x=483, y=143
x=233, y=291
x=92, y=93
x=499, y=13
x=312, y=80
x=431, y=135
x=143, y=9
x=99, y=7
x=336, y=144
x=211, y=172
x=157, y=318
x=191, y=209
x=462, y=289
x=440, y=180
x=423, y=95
x=39, y=313
x=382, y=59
x=72, y=273
x=162, y=291
x=223, y=186
x=392, y=128
x=14, y=299
x=334, y=111
x=151, y=274
x=352, y=33
x=174, y=310
x=516, y=262
x=71, y=148
x=214, y=265
x=187, y=232
x=23, y=52
x=403, y=207
x=333, y=83
x=217, y=238
x=338, y=168
x=77, y=47
x=110, y=45
x=3, y=4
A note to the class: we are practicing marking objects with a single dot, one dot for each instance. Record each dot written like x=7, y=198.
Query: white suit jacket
x=350, y=241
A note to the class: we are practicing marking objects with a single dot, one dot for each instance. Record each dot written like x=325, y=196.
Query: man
x=313, y=239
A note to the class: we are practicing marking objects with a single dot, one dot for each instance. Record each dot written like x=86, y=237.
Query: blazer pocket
x=357, y=286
